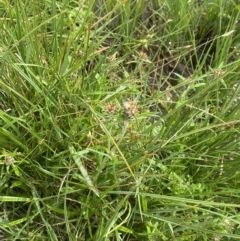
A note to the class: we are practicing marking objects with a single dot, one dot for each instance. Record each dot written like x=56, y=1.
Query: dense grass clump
x=119, y=120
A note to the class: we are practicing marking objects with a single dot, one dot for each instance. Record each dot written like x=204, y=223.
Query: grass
x=119, y=120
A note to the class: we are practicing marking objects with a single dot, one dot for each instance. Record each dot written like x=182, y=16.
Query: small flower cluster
x=111, y=108
x=130, y=108
x=143, y=56
x=8, y=160
x=218, y=72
